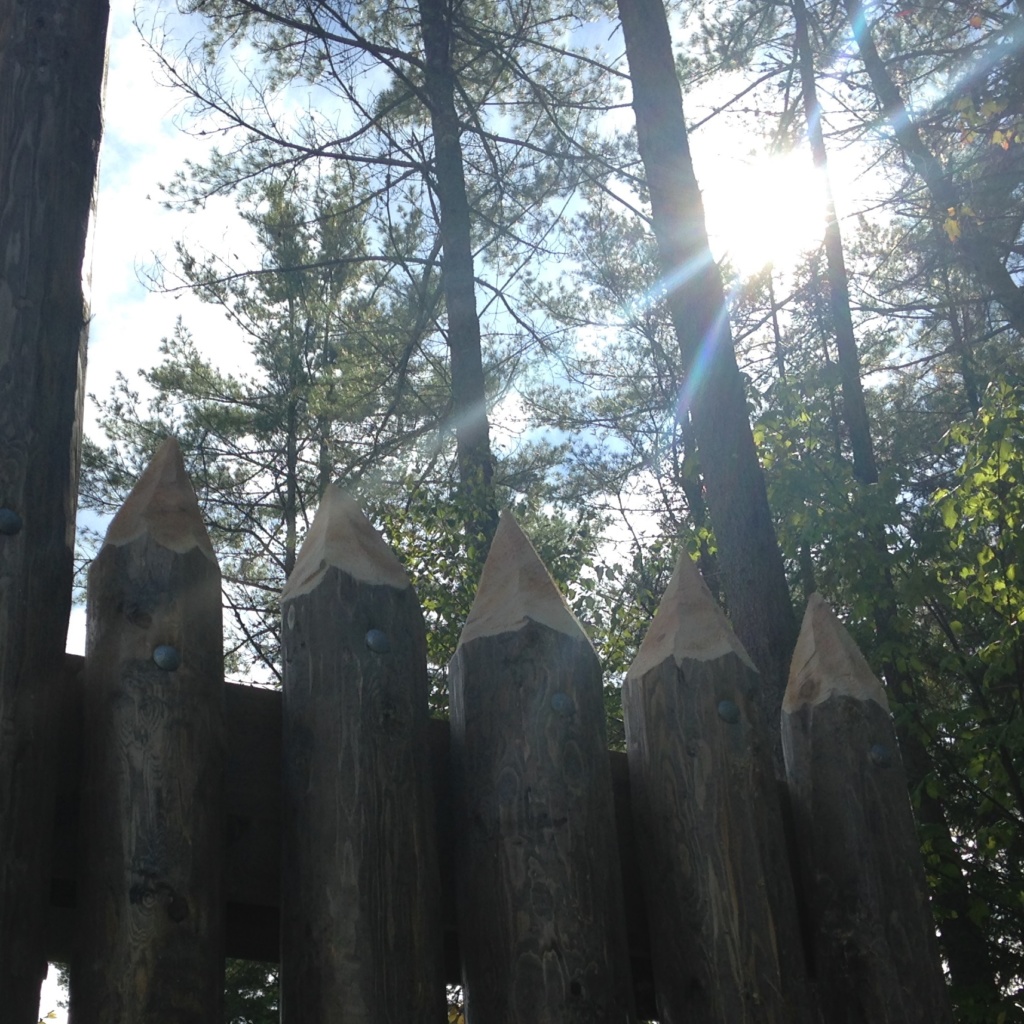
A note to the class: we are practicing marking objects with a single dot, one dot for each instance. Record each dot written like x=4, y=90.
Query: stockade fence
x=154, y=819
x=378, y=854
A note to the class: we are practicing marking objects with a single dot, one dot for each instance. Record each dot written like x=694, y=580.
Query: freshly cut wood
x=150, y=943
x=51, y=73
x=361, y=935
x=875, y=952
x=538, y=883
x=725, y=938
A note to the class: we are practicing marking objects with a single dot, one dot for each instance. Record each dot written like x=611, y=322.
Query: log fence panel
x=150, y=944
x=858, y=851
x=378, y=854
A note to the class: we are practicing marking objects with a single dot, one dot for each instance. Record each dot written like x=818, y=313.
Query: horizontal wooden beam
x=253, y=862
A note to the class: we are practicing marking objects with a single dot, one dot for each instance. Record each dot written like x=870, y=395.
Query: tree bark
x=469, y=395
x=752, y=571
x=855, y=411
x=51, y=73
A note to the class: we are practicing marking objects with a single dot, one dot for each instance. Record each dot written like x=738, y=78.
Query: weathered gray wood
x=725, y=935
x=253, y=866
x=150, y=937
x=51, y=68
x=875, y=949
x=360, y=931
x=537, y=872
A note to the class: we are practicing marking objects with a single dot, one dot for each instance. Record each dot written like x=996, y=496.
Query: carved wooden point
x=163, y=505
x=515, y=586
x=341, y=537
x=827, y=662
x=687, y=625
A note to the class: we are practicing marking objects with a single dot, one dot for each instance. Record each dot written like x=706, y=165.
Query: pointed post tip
x=827, y=662
x=515, y=586
x=341, y=537
x=688, y=624
x=162, y=504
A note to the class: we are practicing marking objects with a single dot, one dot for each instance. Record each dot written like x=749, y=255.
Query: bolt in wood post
x=875, y=949
x=725, y=937
x=537, y=871
x=150, y=944
x=361, y=935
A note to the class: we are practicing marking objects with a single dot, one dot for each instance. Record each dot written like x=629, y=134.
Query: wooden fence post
x=361, y=934
x=537, y=874
x=151, y=905
x=51, y=70
x=875, y=947
x=725, y=939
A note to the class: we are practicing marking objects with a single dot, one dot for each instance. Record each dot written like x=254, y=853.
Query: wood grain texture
x=253, y=868
x=537, y=873
x=875, y=949
x=361, y=935
x=150, y=937
x=725, y=938
x=51, y=68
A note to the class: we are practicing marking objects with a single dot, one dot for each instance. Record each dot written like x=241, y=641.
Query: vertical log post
x=361, y=935
x=538, y=880
x=725, y=939
x=51, y=71
x=875, y=949
x=150, y=944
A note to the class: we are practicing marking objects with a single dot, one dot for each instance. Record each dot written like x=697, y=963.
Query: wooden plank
x=51, y=69
x=725, y=938
x=875, y=950
x=150, y=931
x=360, y=930
x=537, y=872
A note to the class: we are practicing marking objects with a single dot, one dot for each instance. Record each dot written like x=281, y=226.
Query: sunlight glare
x=769, y=210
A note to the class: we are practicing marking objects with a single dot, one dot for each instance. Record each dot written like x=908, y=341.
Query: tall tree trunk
x=752, y=572
x=980, y=256
x=51, y=73
x=469, y=397
x=963, y=941
x=854, y=409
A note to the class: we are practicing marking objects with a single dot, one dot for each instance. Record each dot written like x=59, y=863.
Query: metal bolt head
x=166, y=657
x=10, y=522
x=880, y=755
x=728, y=711
x=562, y=704
x=378, y=642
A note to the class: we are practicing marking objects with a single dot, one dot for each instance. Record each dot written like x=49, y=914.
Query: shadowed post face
x=361, y=936
x=725, y=936
x=51, y=74
x=151, y=924
x=875, y=948
x=538, y=879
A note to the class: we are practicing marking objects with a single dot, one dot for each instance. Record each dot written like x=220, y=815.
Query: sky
x=753, y=210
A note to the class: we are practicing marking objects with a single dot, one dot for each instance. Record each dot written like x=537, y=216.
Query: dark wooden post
x=725, y=937
x=875, y=947
x=51, y=70
x=537, y=872
x=150, y=940
x=361, y=932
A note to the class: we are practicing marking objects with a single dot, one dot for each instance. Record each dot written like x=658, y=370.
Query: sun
x=767, y=210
